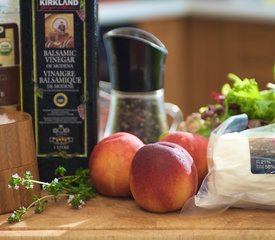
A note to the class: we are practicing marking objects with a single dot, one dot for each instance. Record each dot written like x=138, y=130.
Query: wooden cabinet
x=173, y=34
x=203, y=51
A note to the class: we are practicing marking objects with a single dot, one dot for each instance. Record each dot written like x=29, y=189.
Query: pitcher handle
x=174, y=111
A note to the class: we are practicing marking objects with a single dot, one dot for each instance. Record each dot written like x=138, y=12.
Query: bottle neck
x=9, y=12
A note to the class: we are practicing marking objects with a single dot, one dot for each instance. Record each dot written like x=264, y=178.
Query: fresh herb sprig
x=76, y=188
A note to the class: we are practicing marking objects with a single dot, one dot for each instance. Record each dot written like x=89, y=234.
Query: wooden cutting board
x=106, y=218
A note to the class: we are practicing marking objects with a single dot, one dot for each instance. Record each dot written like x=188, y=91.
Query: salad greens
x=242, y=96
x=245, y=97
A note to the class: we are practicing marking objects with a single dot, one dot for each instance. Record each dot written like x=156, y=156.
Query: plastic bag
x=241, y=166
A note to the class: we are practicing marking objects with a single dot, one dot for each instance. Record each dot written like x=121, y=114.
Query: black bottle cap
x=136, y=60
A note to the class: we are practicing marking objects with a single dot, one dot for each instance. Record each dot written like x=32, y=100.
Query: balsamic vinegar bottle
x=59, y=42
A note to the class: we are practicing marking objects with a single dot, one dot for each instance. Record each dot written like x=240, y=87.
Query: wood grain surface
x=109, y=218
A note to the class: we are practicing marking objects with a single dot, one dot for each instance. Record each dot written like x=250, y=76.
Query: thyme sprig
x=76, y=188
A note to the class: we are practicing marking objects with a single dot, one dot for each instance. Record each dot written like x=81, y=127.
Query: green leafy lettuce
x=245, y=97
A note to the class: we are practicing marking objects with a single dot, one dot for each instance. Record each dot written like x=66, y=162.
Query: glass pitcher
x=136, y=65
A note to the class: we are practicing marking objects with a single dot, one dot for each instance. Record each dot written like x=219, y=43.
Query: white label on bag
x=262, y=155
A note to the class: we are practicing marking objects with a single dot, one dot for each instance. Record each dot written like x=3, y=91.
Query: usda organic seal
x=5, y=48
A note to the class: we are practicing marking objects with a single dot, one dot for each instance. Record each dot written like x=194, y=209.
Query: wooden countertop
x=106, y=218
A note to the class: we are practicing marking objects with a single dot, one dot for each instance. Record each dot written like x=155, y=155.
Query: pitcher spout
x=136, y=60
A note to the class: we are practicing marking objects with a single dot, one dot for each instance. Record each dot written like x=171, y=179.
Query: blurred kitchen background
x=206, y=40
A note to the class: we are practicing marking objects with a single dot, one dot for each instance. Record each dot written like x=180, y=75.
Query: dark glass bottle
x=59, y=80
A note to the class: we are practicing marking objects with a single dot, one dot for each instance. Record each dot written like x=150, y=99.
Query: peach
x=163, y=177
x=110, y=163
x=195, y=145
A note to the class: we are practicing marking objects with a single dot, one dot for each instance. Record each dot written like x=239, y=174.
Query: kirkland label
x=56, y=5
x=60, y=80
x=262, y=154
